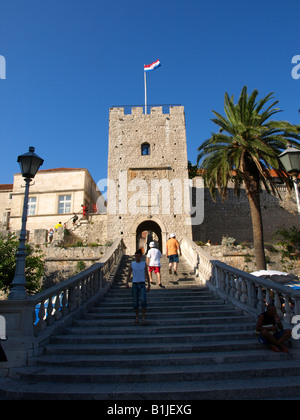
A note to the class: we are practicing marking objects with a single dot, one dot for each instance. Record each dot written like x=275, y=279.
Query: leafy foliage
x=247, y=144
x=289, y=239
x=192, y=169
x=34, y=264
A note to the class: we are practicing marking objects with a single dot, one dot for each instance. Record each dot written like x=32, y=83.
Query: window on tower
x=145, y=149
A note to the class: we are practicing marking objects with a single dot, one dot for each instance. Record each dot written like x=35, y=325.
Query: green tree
x=289, y=239
x=244, y=150
x=34, y=264
x=192, y=170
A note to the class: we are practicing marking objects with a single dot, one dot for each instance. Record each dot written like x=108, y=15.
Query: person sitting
x=270, y=330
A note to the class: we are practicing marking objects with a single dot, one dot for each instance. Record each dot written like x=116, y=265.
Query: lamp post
x=29, y=164
x=290, y=160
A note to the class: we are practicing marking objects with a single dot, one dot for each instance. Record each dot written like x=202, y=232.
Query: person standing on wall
x=173, y=251
x=84, y=211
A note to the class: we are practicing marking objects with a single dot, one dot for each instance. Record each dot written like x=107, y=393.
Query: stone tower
x=147, y=175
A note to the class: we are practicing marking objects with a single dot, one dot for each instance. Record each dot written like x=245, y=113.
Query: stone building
x=5, y=205
x=147, y=172
x=54, y=196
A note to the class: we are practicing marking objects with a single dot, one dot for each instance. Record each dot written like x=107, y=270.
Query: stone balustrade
x=31, y=322
x=244, y=290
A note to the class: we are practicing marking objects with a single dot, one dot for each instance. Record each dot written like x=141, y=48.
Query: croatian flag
x=153, y=66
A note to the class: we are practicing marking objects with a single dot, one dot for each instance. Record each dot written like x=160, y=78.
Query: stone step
x=168, y=302
x=162, y=309
x=119, y=292
x=156, y=329
x=233, y=389
x=164, y=322
x=189, y=313
x=163, y=359
x=150, y=348
x=148, y=374
x=152, y=301
x=122, y=340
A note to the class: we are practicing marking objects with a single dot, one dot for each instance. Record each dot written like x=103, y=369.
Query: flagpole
x=145, y=82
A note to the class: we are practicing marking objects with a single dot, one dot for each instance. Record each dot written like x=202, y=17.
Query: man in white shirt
x=153, y=262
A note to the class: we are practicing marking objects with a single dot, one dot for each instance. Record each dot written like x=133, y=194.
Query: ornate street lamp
x=29, y=165
x=290, y=160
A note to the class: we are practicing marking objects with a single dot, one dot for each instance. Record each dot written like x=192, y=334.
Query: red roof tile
x=6, y=187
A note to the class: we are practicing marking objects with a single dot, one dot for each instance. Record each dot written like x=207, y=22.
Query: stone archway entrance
x=145, y=231
x=144, y=224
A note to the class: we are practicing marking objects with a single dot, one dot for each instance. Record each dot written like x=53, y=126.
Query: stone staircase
x=194, y=347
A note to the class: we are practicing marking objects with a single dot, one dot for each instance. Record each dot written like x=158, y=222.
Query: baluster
x=86, y=288
x=216, y=271
x=232, y=285
x=213, y=274
x=95, y=282
x=41, y=323
x=222, y=280
x=79, y=298
x=72, y=298
x=296, y=300
x=64, y=302
x=269, y=298
x=244, y=295
x=90, y=286
x=252, y=295
x=101, y=278
x=261, y=304
x=58, y=313
x=238, y=286
x=50, y=318
x=86, y=284
x=288, y=310
x=227, y=286
x=278, y=305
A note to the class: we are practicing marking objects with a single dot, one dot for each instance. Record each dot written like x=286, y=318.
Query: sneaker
x=175, y=273
x=170, y=270
x=275, y=348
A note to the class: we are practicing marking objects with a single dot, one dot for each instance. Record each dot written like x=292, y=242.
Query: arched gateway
x=152, y=228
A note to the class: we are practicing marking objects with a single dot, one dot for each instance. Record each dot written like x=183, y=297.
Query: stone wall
x=232, y=217
x=242, y=257
x=62, y=262
x=85, y=245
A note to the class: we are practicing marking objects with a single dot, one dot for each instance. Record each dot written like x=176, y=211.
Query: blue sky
x=69, y=61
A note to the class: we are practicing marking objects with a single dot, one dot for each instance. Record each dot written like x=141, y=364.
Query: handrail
x=60, y=300
x=31, y=322
x=244, y=290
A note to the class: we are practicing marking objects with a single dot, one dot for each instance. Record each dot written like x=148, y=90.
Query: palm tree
x=244, y=151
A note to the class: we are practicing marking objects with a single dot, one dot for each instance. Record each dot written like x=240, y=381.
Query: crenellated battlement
x=139, y=110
